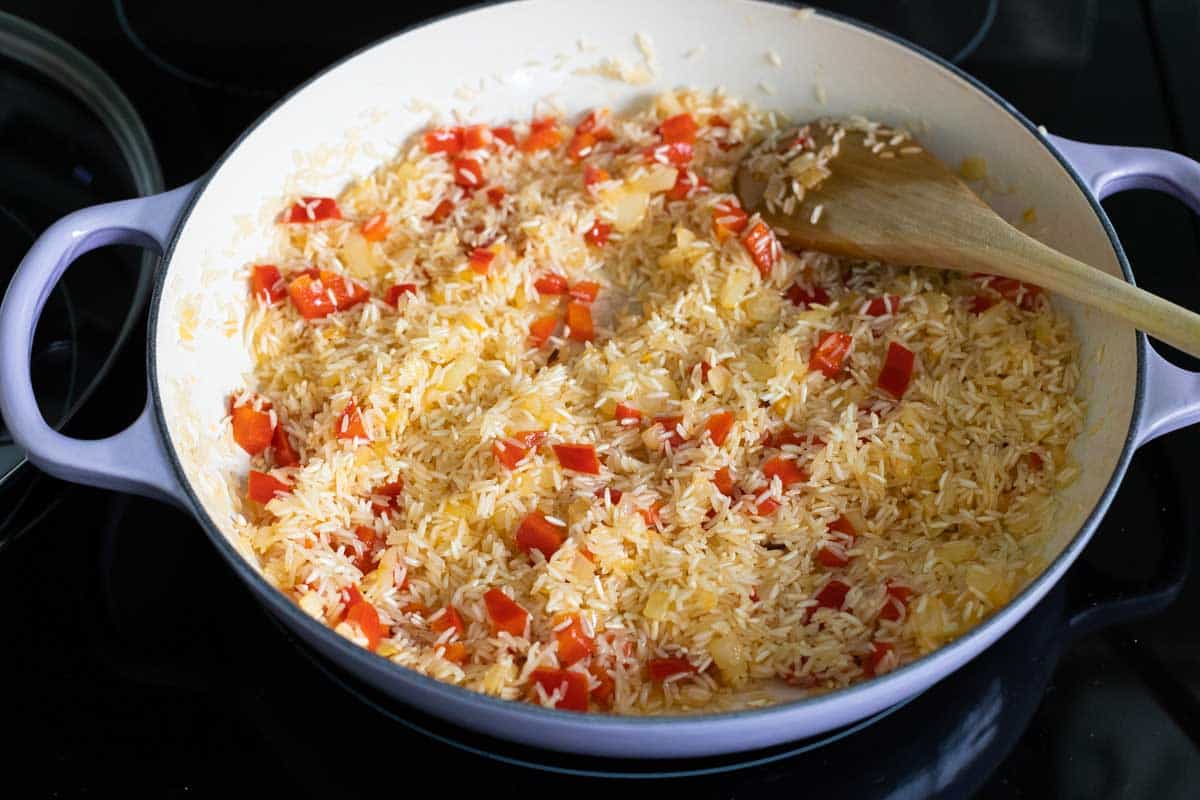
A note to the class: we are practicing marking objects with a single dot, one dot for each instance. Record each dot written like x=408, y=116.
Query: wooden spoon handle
x=1024, y=258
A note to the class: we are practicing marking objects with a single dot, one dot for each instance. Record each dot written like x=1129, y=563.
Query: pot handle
x=135, y=459
x=1100, y=601
x=1172, y=394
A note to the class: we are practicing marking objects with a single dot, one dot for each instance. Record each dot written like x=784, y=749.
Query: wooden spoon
x=907, y=208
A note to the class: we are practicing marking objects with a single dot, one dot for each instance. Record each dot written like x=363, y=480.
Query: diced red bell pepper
x=363, y=615
x=481, y=260
x=597, y=235
x=572, y=685
x=476, y=137
x=830, y=353
x=670, y=426
x=442, y=212
x=718, y=427
x=509, y=453
x=588, y=133
x=267, y=284
x=310, y=297
x=716, y=121
x=883, y=305
x=537, y=533
x=1036, y=462
x=679, y=128
x=879, y=652
x=504, y=613
x=262, y=487
x=551, y=283
x=495, y=195
x=312, y=272
x=449, y=619
x=372, y=545
x=981, y=303
x=541, y=329
x=313, y=209
x=504, y=134
x=453, y=651
x=895, y=601
x=529, y=439
x=394, y=293
x=843, y=525
x=581, y=146
x=892, y=609
x=375, y=229
x=415, y=607
x=605, y=686
x=579, y=321
x=543, y=135
x=728, y=219
x=1025, y=295
x=832, y=595
x=686, y=182
x=321, y=296
x=347, y=292
x=252, y=429
x=585, y=291
x=444, y=140
x=596, y=123
x=723, y=480
x=391, y=492
x=897, y=370
x=765, y=506
x=573, y=642
x=512, y=450
x=785, y=469
x=804, y=298
x=833, y=554
x=593, y=175
x=627, y=416
x=764, y=250
x=614, y=497
x=663, y=668
x=468, y=173
x=578, y=457
x=350, y=424
x=281, y=448
x=649, y=514
x=678, y=154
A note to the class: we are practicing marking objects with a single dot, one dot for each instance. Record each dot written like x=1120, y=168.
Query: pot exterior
x=348, y=119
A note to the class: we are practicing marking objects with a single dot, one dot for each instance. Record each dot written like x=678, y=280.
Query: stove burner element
x=179, y=72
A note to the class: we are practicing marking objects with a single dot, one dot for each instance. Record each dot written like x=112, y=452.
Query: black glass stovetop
x=136, y=663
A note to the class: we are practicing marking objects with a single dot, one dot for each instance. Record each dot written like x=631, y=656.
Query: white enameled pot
x=495, y=63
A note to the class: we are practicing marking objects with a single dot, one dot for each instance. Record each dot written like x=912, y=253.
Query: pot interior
x=508, y=57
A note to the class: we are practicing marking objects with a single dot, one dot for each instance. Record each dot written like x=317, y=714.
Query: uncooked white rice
x=948, y=490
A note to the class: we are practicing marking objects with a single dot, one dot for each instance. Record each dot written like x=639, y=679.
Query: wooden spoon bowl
x=899, y=204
